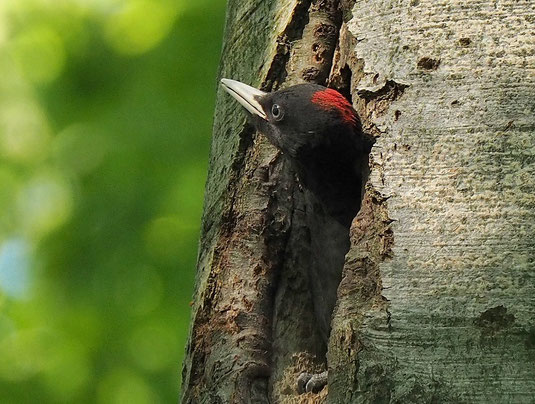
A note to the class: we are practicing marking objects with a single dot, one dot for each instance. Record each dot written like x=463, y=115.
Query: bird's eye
x=277, y=112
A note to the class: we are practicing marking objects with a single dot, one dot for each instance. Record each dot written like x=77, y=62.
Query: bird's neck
x=332, y=175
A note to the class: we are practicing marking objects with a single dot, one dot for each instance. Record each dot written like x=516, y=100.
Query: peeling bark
x=437, y=299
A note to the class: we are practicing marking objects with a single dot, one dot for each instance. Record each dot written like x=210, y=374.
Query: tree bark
x=437, y=300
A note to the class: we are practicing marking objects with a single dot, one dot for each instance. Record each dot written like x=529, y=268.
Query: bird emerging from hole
x=319, y=132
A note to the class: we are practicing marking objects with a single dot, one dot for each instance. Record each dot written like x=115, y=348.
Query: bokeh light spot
x=15, y=268
x=44, y=204
x=40, y=53
x=23, y=354
x=80, y=148
x=122, y=386
x=153, y=347
x=167, y=238
x=69, y=364
x=24, y=134
x=140, y=25
x=187, y=191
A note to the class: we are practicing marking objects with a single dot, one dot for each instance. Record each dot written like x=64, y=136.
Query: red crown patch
x=332, y=99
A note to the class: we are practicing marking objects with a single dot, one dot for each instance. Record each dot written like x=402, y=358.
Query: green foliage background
x=105, y=122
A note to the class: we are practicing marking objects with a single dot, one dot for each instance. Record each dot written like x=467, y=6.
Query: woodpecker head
x=300, y=118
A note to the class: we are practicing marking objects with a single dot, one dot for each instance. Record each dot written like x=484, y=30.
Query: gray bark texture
x=437, y=299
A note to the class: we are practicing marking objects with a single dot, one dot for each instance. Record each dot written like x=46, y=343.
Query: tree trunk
x=437, y=300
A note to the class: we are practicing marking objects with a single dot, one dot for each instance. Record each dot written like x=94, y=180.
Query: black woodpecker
x=319, y=132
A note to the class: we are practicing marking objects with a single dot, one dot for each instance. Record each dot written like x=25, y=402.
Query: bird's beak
x=246, y=95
